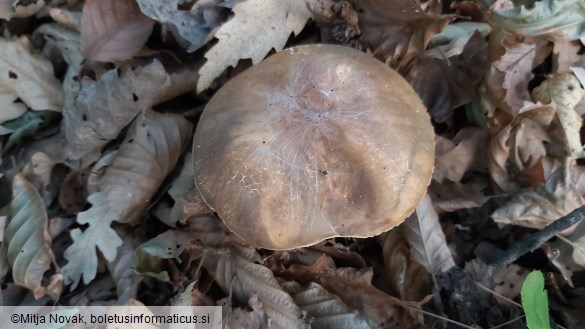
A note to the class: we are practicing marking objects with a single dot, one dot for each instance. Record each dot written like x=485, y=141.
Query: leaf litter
x=99, y=100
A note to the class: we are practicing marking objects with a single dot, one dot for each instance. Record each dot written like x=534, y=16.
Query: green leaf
x=535, y=301
x=555, y=19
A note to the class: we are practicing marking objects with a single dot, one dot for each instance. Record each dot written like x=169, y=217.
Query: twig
x=537, y=239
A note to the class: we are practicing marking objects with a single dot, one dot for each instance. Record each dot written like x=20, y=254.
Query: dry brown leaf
x=125, y=278
x=256, y=28
x=113, y=30
x=539, y=207
x=517, y=144
x=459, y=74
x=328, y=311
x=407, y=279
x=148, y=154
x=354, y=288
x=564, y=91
x=396, y=31
x=451, y=196
x=565, y=55
x=104, y=107
x=453, y=158
x=72, y=193
x=513, y=70
x=240, y=274
x=427, y=241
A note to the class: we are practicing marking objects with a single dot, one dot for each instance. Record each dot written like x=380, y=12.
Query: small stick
x=537, y=239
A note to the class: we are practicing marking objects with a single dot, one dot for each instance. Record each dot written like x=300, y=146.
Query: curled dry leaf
x=240, y=274
x=188, y=27
x=113, y=30
x=397, y=31
x=27, y=77
x=517, y=143
x=28, y=242
x=256, y=28
x=328, y=311
x=149, y=152
x=427, y=241
x=407, y=279
x=564, y=91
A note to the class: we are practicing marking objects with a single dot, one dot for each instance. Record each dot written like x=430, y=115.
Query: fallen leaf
x=104, y=107
x=256, y=28
x=354, y=288
x=397, y=31
x=537, y=208
x=427, y=241
x=564, y=91
x=327, y=309
x=125, y=278
x=454, y=158
x=149, y=152
x=452, y=196
x=113, y=30
x=240, y=273
x=406, y=278
x=460, y=65
x=28, y=243
x=508, y=281
x=28, y=77
x=552, y=19
x=188, y=27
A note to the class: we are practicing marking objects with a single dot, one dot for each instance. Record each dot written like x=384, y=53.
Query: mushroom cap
x=317, y=141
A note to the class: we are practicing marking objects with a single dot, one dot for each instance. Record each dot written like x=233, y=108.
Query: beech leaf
x=28, y=242
x=28, y=77
x=113, y=30
x=240, y=273
x=148, y=154
x=188, y=27
x=256, y=28
x=328, y=310
x=423, y=232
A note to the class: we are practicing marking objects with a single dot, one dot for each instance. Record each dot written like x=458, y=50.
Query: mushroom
x=315, y=142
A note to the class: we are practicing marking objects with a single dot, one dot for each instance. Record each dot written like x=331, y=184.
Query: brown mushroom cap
x=315, y=142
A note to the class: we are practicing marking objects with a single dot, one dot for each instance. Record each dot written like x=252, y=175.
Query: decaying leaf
x=126, y=279
x=113, y=30
x=256, y=28
x=354, y=288
x=406, y=278
x=460, y=65
x=564, y=91
x=465, y=152
x=28, y=77
x=396, y=31
x=240, y=274
x=188, y=27
x=28, y=243
x=539, y=207
x=428, y=245
x=552, y=19
x=327, y=309
x=451, y=196
x=149, y=152
x=508, y=281
x=104, y=107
